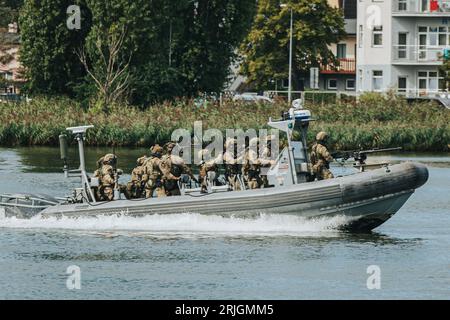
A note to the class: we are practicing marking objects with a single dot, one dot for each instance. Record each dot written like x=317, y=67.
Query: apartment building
x=9, y=60
x=343, y=78
x=401, y=44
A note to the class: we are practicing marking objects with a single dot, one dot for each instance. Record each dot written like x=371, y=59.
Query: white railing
x=413, y=53
x=437, y=7
x=424, y=93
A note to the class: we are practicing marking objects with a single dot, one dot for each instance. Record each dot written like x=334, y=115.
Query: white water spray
x=184, y=223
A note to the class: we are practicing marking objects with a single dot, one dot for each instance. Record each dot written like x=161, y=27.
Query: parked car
x=252, y=98
x=12, y=97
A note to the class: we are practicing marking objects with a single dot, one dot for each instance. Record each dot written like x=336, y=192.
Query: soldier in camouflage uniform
x=206, y=167
x=321, y=158
x=135, y=188
x=251, y=168
x=106, y=177
x=266, y=161
x=233, y=164
x=153, y=173
x=173, y=167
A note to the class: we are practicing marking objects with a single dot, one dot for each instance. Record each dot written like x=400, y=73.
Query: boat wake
x=186, y=223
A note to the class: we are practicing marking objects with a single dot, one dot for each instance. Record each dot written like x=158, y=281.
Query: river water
x=190, y=256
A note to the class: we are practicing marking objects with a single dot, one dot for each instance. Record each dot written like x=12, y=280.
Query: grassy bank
x=373, y=122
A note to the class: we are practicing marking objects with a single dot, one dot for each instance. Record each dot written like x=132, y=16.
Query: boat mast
x=80, y=136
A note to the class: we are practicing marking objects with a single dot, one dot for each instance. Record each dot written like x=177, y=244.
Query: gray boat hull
x=368, y=199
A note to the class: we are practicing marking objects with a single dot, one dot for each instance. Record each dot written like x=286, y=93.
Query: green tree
x=171, y=48
x=265, y=51
x=206, y=46
x=9, y=11
x=48, y=46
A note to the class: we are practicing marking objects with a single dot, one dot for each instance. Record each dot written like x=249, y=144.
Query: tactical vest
x=232, y=169
x=154, y=171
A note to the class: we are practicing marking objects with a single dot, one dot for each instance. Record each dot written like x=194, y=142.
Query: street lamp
x=284, y=5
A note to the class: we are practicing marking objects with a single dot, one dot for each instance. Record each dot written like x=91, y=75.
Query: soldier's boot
x=130, y=190
x=326, y=174
x=253, y=184
x=174, y=192
x=234, y=181
x=160, y=192
x=265, y=181
x=148, y=192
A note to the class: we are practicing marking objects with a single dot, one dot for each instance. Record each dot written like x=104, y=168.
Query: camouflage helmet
x=140, y=161
x=109, y=158
x=156, y=149
x=322, y=136
x=169, y=146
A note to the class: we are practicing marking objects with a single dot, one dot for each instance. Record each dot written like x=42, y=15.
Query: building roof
x=7, y=38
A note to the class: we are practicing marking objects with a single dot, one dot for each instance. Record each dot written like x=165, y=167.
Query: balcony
x=423, y=93
x=346, y=66
x=422, y=8
x=417, y=55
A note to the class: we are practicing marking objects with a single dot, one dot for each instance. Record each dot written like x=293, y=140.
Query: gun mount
x=360, y=156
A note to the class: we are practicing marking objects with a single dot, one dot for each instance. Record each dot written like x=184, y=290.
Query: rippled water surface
x=190, y=256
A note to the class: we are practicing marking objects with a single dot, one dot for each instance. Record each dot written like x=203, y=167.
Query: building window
x=431, y=40
x=402, y=45
x=332, y=84
x=402, y=5
x=341, y=51
x=285, y=83
x=430, y=81
x=402, y=84
x=377, y=80
x=377, y=36
x=350, y=84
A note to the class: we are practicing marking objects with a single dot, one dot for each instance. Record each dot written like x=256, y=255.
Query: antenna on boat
x=80, y=133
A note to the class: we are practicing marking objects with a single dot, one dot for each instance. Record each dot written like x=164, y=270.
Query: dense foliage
x=9, y=11
x=175, y=48
x=375, y=121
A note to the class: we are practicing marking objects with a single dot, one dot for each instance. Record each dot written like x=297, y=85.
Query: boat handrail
x=20, y=205
x=5, y=199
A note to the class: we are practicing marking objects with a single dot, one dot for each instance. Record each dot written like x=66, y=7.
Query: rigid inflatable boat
x=367, y=198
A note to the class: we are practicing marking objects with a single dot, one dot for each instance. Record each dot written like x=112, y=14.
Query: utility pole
x=291, y=35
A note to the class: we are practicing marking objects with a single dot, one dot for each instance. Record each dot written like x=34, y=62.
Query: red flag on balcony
x=434, y=5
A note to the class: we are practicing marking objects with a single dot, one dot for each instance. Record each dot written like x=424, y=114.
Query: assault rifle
x=116, y=174
x=360, y=156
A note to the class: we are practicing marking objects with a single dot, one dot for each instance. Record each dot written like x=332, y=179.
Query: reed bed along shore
x=375, y=121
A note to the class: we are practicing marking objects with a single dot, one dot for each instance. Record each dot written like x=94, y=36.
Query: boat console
x=292, y=166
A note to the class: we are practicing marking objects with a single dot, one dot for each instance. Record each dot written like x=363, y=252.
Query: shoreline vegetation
x=375, y=121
